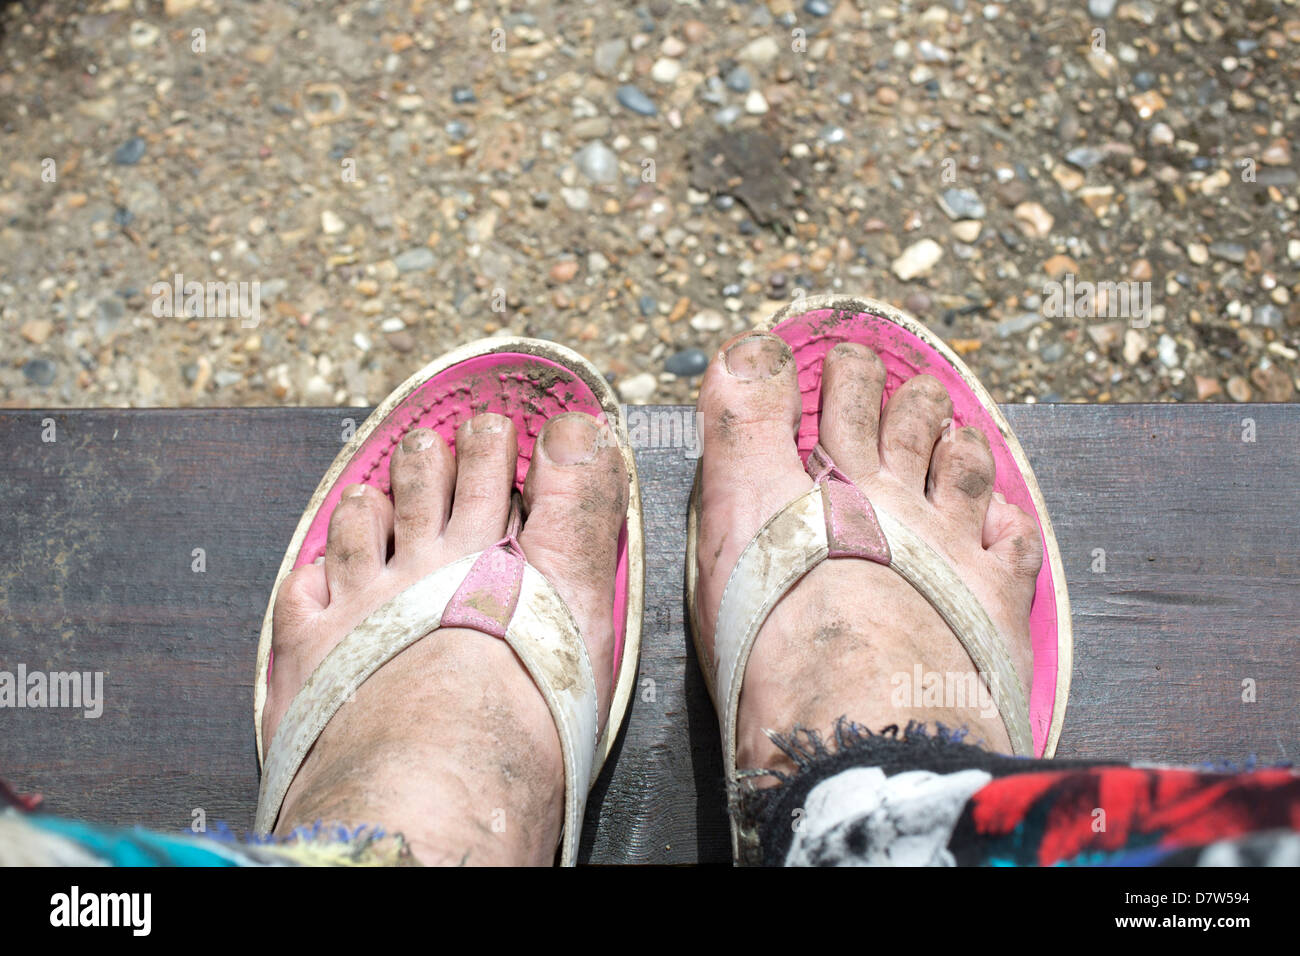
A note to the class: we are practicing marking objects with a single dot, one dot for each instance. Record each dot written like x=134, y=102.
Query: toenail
x=417, y=440
x=757, y=356
x=486, y=424
x=354, y=491
x=570, y=439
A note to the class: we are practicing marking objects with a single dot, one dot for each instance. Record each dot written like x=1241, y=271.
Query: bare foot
x=846, y=638
x=450, y=743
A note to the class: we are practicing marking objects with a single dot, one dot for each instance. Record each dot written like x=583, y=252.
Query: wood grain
x=1199, y=530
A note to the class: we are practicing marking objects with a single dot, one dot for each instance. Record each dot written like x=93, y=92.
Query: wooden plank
x=1198, y=594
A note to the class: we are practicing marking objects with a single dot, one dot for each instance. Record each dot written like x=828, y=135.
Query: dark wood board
x=1199, y=528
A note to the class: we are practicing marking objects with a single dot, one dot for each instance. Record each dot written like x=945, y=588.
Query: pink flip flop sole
x=907, y=349
x=527, y=381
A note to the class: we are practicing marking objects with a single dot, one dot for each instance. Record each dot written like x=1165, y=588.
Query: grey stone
x=739, y=80
x=419, y=259
x=130, y=152
x=687, y=363
x=633, y=99
x=40, y=371
x=1019, y=323
x=961, y=204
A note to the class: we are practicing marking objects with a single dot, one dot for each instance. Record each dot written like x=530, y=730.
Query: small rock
x=1231, y=251
x=564, y=270
x=710, y=320
x=917, y=259
x=760, y=52
x=1020, y=323
x=330, y=223
x=130, y=152
x=36, y=331
x=462, y=94
x=755, y=103
x=39, y=371
x=1106, y=334
x=1198, y=253
x=419, y=259
x=687, y=364
x=638, y=389
x=1034, y=221
x=1167, y=351
x=665, y=70
x=608, y=56
x=1052, y=352
x=1273, y=382
x=1084, y=157
x=968, y=230
x=739, y=80
x=597, y=162
x=1238, y=390
x=817, y=8
x=1135, y=343
x=633, y=99
x=1206, y=387
x=961, y=204
x=1101, y=9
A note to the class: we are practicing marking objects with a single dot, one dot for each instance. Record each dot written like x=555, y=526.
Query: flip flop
x=495, y=591
x=834, y=520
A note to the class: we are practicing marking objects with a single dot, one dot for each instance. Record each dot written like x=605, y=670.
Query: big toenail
x=354, y=491
x=757, y=356
x=570, y=439
x=417, y=440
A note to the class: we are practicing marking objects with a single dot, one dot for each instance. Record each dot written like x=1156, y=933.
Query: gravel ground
x=1090, y=200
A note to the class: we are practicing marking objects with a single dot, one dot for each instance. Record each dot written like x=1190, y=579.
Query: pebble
x=36, y=331
x=564, y=270
x=1167, y=351
x=755, y=103
x=817, y=8
x=739, y=80
x=39, y=371
x=759, y=52
x=665, y=70
x=330, y=223
x=638, y=389
x=917, y=259
x=1231, y=251
x=130, y=152
x=1034, y=221
x=1020, y=323
x=1101, y=9
x=597, y=162
x=419, y=259
x=1135, y=343
x=1198, y=253
x=710, y=320
x=1238, y=390
x=633, y=99
x=961, y=204
x=608, y=55
x=463, y=94
x=968, y=230
x=687, y=363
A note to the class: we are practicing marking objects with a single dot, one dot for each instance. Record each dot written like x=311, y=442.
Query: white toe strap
x=541, y=631
x=828, y=521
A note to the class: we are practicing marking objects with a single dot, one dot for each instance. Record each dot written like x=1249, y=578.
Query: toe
x=576, y=494
x=301, y=596
x=357, y=547
x=914, y=418
x=749, y=410
x=1012, y=535
x=485, y=474
x=961, y=478
x=853, y=381
x=423, y=477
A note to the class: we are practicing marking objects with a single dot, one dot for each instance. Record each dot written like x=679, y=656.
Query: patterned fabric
x=38, y=839
x=933, y=800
